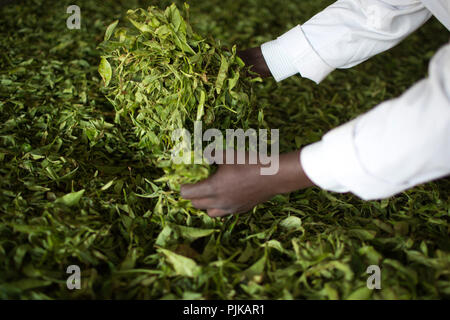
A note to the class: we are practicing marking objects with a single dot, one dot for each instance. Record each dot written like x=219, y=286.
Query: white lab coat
x=401, y=142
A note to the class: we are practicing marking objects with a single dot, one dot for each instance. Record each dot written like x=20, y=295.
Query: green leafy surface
x=165, y=76
x=77, y=185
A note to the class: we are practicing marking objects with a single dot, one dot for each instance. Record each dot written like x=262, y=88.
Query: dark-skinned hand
x=254, y=58
x=237, y=188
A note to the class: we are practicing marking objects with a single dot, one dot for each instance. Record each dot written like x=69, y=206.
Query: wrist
x=254, y=59
x=290, y=176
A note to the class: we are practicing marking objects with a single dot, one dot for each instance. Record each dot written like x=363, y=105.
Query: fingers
x=205, y=203
x=208, y=205
x=215, y=212
x=200, y=189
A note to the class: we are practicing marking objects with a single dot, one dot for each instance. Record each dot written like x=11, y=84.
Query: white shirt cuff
x=278, y=62
x=333, y=164
x=317, y=167
x=292, y=53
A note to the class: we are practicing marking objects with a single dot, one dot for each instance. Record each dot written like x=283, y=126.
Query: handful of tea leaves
x=163, y=76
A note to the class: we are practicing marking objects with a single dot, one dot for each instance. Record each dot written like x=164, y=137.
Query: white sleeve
x=346, y=33
x=400, y=143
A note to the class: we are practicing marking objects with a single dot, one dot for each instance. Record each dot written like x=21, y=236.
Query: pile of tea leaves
x=78, y=186
x=161, y=75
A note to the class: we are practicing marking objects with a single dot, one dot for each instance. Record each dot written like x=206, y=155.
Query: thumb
x=200, y=189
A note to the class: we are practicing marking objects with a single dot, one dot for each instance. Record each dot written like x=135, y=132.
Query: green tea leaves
x=105, y=71
x=140, y=26
x=175, y=17
x=222, y=74
x=62, y=130
x=192, y=234
x=291, y=223
x=107, y=185
x=109, y=31
x=160, y=83
x=201, y=104
x=360, y=294
x=182, y=266
x=71, y=199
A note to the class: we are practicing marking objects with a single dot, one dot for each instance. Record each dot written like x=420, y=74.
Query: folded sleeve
x=400, y=143
x=343, y=35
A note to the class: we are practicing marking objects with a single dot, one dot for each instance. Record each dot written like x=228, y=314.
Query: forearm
x=291, y=176
x=397, y=145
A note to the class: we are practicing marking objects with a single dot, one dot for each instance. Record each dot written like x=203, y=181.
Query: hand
x=254, y=57
x=237, y=188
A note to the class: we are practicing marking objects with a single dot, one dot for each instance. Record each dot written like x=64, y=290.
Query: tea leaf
x=183, y=266
x=105, y=71
x=222, y=74
x=109, y=31
x=291, y=223
x=71, y=199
